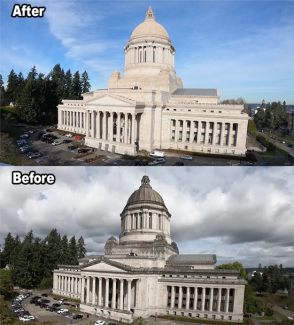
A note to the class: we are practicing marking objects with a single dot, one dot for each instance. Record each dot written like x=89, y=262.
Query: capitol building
x=143, y=273
x=147, y=108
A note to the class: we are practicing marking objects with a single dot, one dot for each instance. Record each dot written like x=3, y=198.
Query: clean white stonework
x=144, y=273
x=148, y=108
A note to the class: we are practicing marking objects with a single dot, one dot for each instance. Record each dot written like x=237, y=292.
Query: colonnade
x=150, y=53
x=201, y=298
x=204, y=132
x=70, y=284
x=104, y=125
x=145, y=220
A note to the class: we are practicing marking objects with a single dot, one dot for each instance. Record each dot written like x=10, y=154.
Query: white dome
x=150, y=28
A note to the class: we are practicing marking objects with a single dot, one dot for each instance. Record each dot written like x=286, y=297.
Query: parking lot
x=61, y=155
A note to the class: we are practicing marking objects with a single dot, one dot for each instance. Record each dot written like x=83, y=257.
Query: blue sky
x=244, y=48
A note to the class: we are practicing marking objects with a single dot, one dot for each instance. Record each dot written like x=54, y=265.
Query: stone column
x=94, y=291
x=222, y=134
x=206, y=133
x=113, y=294
x=203, y=298
x=177, y=130
x=100, y=292
x=180, y=297
x=214, y=130
x=80, y=286
x=106, y=292
x=126, y=129
x=83, y=290
x=132, y=134
x=121, y=294
x=76, y=285
x=184, y=135
x=118, y=127
x=129, y=295
x=210, y=299
x=219, y=298
x=227, y=300
x=104, y=126
x=172, y=302
x=230, y=134
x=98, y=124
x=188, y=298
x=87, y=123
x=88, y=289
x=58, y=285
x=110, y=127
x=195, y=298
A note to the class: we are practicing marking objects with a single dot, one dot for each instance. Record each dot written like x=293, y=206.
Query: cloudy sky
x=244, y=48
x=243, y=214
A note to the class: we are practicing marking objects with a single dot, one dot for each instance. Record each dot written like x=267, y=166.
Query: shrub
x=46, y=283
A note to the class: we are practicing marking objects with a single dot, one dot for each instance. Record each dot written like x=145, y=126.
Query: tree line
x=273, y=115
x=267, y=280
x=33, y=260
x=37, y=96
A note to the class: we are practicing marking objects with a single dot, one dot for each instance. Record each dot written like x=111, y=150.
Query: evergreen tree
x=68, y=86
x=3, y=101
x=8, y=250
x=85, y=82
x=77, y=86
x=73, y=253
x=26, y=103
x=259, y=118
x=81, y=248
x=21, y=272
x=37, y=265
x=12, y=87
x=64, y=256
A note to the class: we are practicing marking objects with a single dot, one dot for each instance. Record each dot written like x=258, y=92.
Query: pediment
x=112, y=101
x=102, y=266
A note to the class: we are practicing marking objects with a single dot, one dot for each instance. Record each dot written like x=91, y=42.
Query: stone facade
x=148, y=108
x=143, y=273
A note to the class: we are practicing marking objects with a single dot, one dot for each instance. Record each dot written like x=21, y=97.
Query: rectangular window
x=203, y=124
x=225, y=139
x=209, y=150
x=218, y=126
x=234, y=127
x=174, y=122
x=195, y=125
x=202, y=137
x=188, y=136
x=216, y=150
x=181, y=124
x=173, y=134
x=210, y=138
x=188, y=124
x=210, y=125
x=186, y=147
x=226, y=126
x=180, y=135
x=201, y=149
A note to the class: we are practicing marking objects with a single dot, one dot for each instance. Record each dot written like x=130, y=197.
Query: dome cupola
x=145, y=215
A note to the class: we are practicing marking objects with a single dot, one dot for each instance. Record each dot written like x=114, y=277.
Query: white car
x=283, y=142
x=99, y=322
x=186, y=157
x=27, y=318
x=55, y=143
x=69, y=135
x=62, y=310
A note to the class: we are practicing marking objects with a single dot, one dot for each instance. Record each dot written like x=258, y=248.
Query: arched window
x=150, y=220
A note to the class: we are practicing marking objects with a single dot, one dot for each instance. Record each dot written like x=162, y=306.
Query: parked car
x=266, y=163
x=31, y=151
x=179, y=163
x=143, y=163
x=291, y=145
x=99, y=322
x=48, y=130
x=55, y=143
x=67, y=141
x=78, y=137
x=46, y=301
x=83, y=150
x=56, y=305
x=157, y=153
x=26, y=150
x=69, y=135
x=157, y=162
x=285, y=307
x=71, y=147
x=77, y=316
x=135, y=162
x=62, y=310
x=49, y=308
x=27, y=318
x=283, y=141
x=34, y=155
x=186, y=157
x=250, y=163
x=49, y=141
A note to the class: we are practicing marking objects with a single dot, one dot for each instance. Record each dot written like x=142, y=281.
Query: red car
x=77, y=137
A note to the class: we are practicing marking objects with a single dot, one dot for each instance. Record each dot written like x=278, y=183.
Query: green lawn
x=267, y=153
x=280, y=315
x=283, y=152
x=265, y=318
